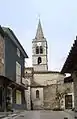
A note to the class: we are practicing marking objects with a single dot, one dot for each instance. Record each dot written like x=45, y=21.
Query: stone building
x=28, y=79
x=44, y=83
x=70, y=66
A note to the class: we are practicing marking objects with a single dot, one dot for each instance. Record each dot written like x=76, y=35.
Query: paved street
x=44, y=115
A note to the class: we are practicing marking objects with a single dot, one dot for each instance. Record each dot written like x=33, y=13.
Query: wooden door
x=68, y=101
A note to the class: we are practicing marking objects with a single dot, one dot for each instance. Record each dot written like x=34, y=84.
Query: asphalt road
x=44, y=115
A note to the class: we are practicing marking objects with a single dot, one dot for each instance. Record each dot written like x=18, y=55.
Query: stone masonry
x=50, y=95
x=75, y=89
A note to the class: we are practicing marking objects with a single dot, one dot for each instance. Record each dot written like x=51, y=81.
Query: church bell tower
x=39, y=51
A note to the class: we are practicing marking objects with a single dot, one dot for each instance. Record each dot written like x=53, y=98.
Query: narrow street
x=44, y=115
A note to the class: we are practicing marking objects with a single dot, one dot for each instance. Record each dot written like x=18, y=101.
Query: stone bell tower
x=39, y=50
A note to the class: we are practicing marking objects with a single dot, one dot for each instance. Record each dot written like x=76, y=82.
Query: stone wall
x=50, y=95
x=28, y=78
x=46, y=83
x=48, y=78
x=28, y=98
x=37, y=102
x=40, y=68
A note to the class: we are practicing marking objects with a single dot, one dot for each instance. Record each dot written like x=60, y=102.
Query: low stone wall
x=50, y=95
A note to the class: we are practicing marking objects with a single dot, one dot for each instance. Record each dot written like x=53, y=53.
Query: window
x=18, y=97
x=18, y=72
x=37, y=50
x=18, y=52
x=39, y=60
x=41, y=49
x=37, y=93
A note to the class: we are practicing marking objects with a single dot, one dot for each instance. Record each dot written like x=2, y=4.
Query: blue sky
x=59, y=22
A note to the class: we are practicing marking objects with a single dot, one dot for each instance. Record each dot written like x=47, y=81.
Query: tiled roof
x=71, y=61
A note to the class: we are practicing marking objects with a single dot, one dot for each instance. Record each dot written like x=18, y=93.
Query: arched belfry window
x=39, y=60
x=41, y=50
x=37, y=93
x=37, y=50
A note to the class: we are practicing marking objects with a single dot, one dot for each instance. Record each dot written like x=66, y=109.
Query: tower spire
x=39, y=33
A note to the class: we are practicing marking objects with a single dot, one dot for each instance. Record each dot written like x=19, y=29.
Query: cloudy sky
x=58, y=19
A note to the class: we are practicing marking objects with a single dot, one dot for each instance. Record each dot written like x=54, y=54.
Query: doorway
x=0, y=98
x=68, y=101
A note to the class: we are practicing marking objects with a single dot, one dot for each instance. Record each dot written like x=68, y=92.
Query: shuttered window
x=18, y=97
x=18, y=73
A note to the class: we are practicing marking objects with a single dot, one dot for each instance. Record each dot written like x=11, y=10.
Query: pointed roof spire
x=39, y=33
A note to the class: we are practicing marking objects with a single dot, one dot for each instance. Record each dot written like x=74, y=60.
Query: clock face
x=39, y=43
